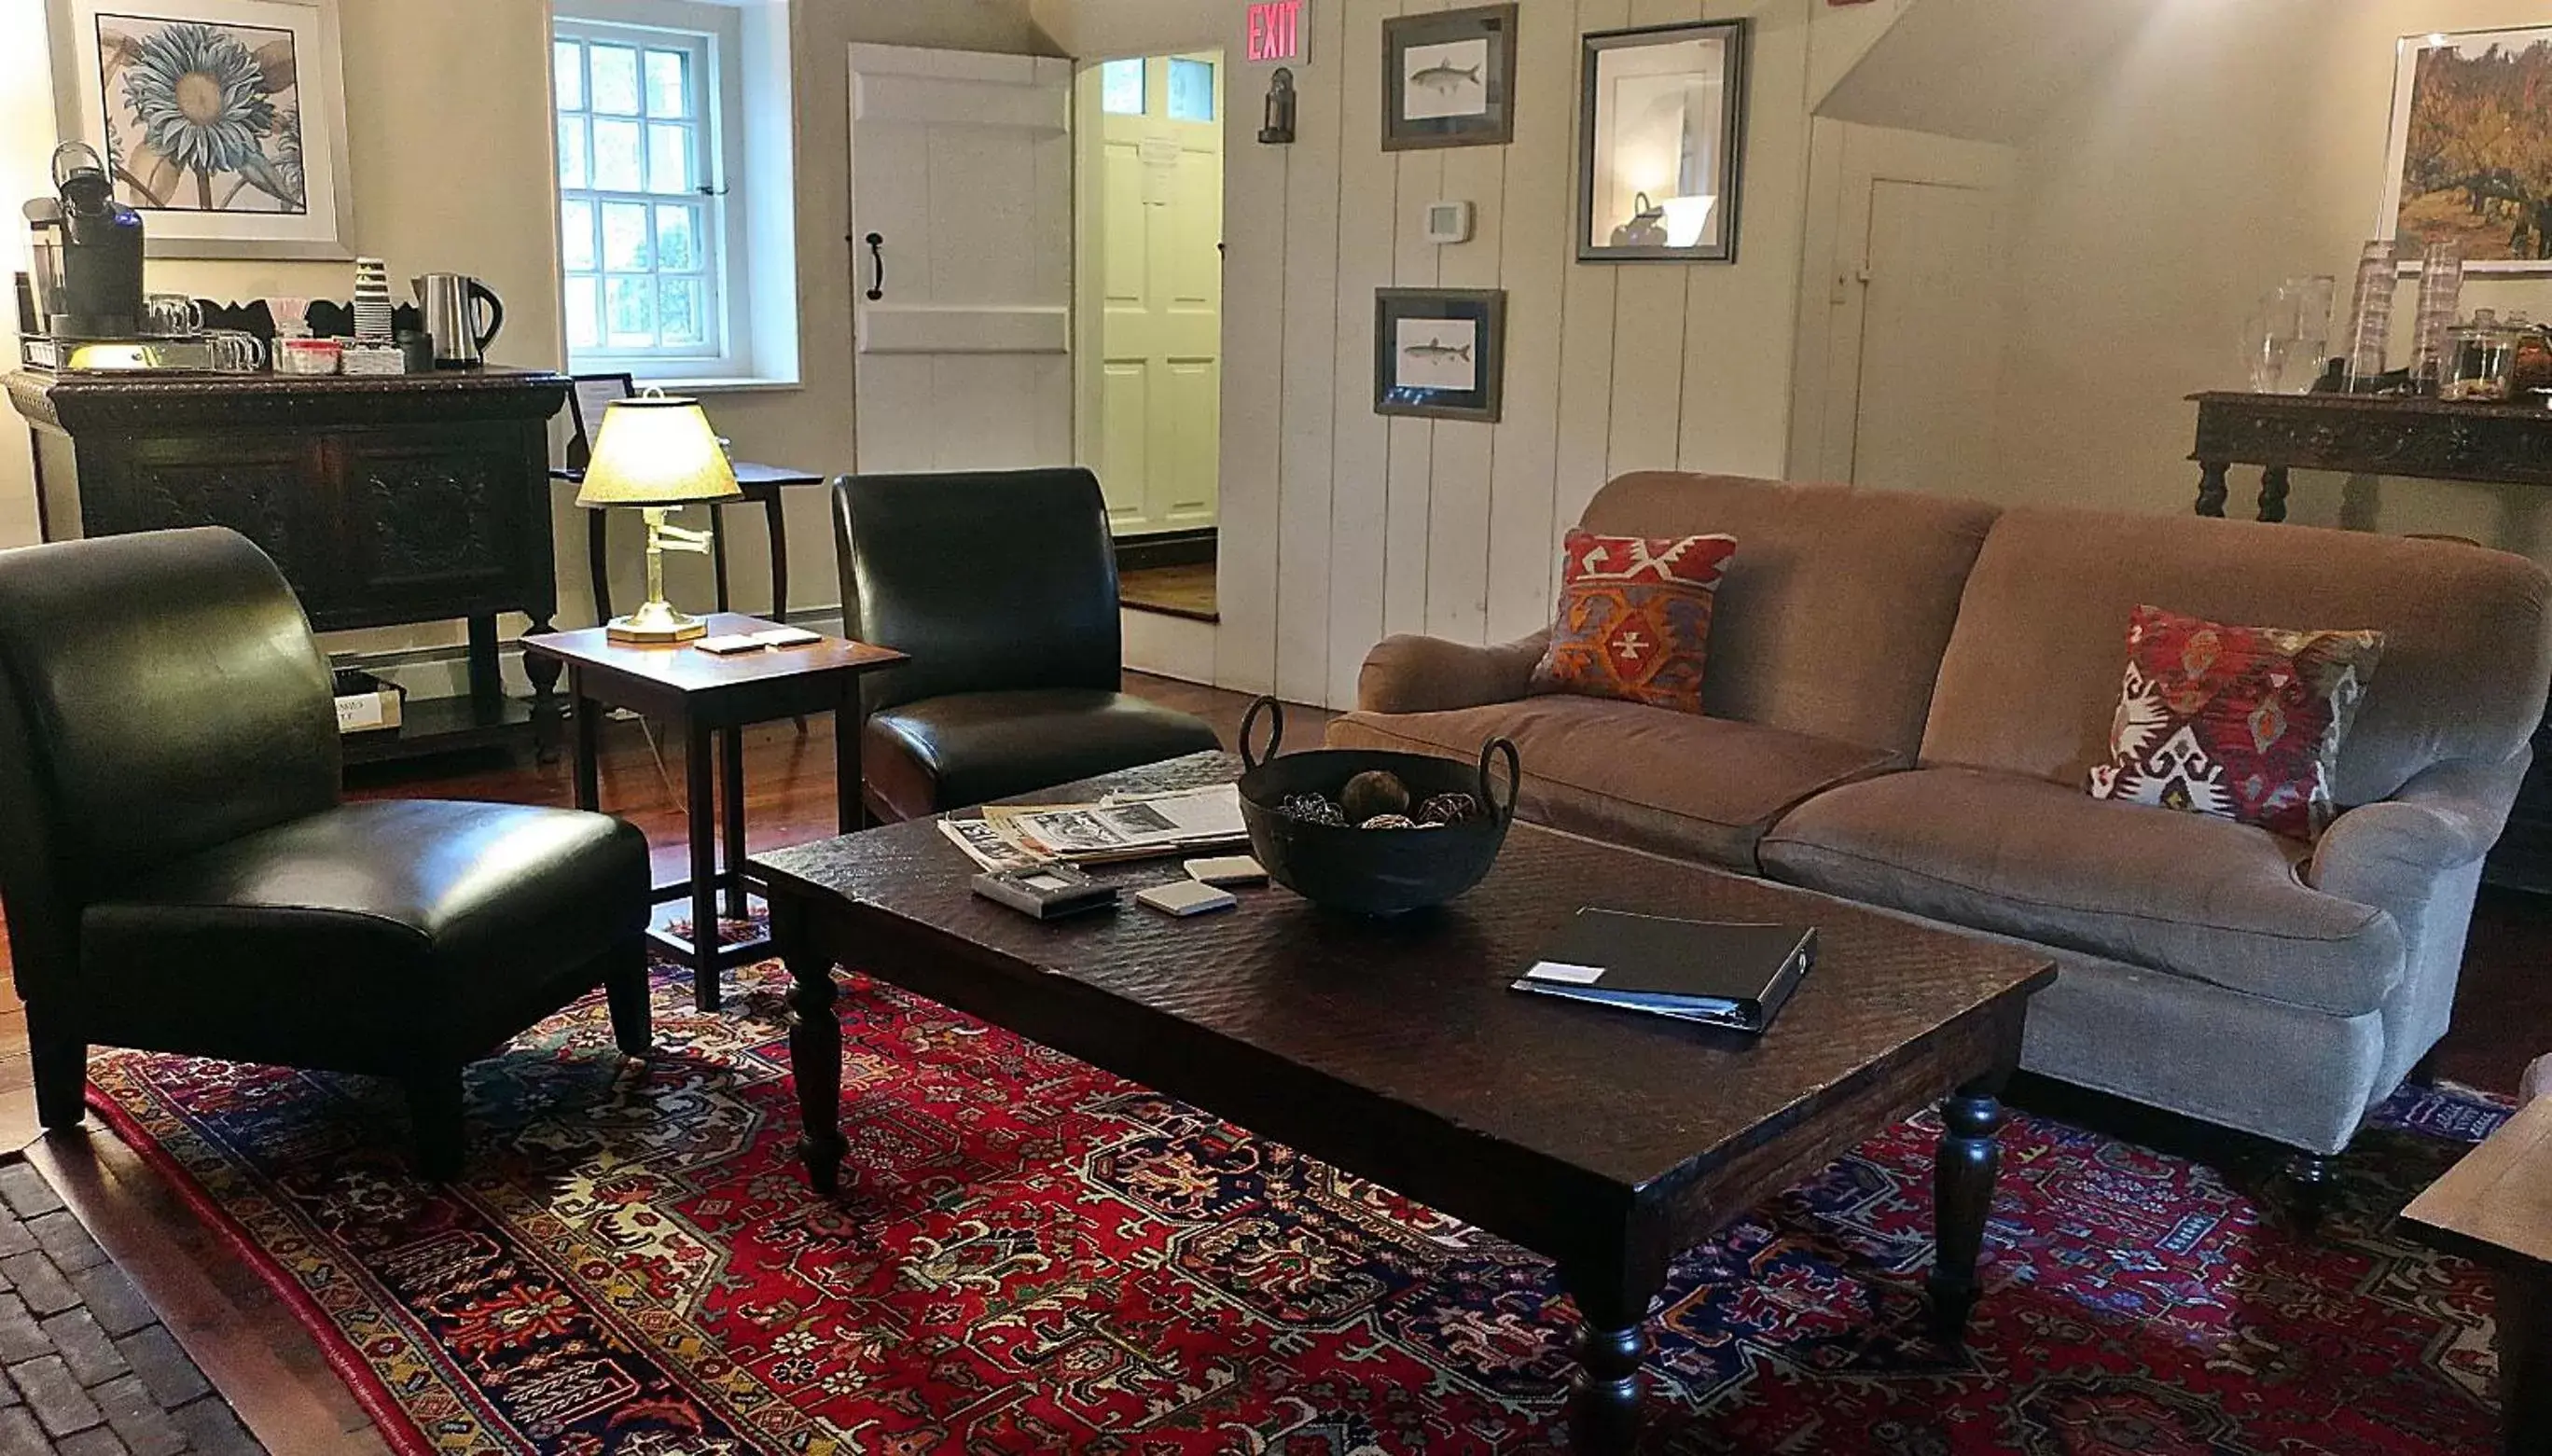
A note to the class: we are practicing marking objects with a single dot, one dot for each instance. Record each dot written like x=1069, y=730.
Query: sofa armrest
x=1427, y=675
x=2388, y=855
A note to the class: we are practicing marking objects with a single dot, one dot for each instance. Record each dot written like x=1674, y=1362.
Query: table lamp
x=657, y=453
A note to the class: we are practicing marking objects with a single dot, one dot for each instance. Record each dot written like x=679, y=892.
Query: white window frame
x=752, y=338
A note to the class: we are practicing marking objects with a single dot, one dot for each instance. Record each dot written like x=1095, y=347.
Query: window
x=1121, y=86
x=640, y=216
x=1191, y=89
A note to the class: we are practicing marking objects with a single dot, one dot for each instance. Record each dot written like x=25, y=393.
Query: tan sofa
x=1905, y=693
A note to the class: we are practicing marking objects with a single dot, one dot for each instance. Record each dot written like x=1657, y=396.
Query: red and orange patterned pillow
x=1635, y=619
x=2242, y=723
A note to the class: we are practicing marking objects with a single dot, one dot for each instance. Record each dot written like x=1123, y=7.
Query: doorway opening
x=1148, y=376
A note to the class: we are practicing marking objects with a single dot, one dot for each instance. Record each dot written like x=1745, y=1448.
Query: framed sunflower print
x=222, y=120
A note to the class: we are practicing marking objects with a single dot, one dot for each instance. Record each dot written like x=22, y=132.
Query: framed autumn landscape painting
x=222, y=120
x=2471, y=150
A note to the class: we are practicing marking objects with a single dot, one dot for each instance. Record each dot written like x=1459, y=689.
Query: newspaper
x=1120, y=827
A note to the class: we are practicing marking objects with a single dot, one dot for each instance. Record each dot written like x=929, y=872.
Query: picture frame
x=265, y=176
x=1448, y=78
x=1661, y=143
x=1440, y=353
x=2436, y=146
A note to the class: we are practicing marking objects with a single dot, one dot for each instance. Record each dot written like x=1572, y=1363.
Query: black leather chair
x=179, y=874
x=1003, y=587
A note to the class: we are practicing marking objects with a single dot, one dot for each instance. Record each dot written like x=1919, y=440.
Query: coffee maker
x=88, y=246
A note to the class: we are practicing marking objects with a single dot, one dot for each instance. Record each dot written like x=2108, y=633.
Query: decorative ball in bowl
x=1369, y=832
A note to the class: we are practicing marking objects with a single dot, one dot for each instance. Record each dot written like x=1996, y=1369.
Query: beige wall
x=1340, y=526
x=2225, y=148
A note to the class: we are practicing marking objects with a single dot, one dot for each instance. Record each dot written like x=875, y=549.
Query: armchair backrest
x=994, y=582
x=159, y=693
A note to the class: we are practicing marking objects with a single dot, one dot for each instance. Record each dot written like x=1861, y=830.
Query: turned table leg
x=814, y=1049
x=1606, y=1389
x=2273, y=493
x=2212, y=487
x=1963, y=1186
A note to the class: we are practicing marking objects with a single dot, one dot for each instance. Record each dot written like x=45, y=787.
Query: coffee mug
x=235, y=353
x=171, y=316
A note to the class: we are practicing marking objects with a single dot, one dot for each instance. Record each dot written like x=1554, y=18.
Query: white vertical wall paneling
x=1458, y=493
x=1360, y=454
x=1254, y=321
x=1534, y=252
x=1732, y=394
x=1416, y=264
x=1649, y=328
x=1587, y=332
x=1312, y=276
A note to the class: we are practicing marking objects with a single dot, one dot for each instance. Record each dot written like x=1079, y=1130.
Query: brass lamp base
x=656, y=623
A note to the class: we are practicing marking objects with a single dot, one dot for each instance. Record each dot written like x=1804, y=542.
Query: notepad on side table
x=1715, y=972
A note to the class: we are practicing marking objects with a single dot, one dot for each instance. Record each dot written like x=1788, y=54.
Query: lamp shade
x=656, y=449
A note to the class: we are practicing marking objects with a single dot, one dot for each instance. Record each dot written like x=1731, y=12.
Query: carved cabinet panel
x=439, y=515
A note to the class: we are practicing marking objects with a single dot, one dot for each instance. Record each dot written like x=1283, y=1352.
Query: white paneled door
x=1153, y=280
x=961, y=233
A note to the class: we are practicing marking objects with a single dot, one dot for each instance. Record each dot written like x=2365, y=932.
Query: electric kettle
x=451, y=303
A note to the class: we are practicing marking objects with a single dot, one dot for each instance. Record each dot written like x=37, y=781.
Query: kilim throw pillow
x=1635, y=619
x=2242, y=723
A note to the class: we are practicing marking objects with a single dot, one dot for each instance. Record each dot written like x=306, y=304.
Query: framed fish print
x=223, y=122
x=1663, y=140
x=1448, y=78
x=1440, y=353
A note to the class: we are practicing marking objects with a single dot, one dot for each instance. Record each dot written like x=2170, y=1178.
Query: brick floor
x=86, y=1368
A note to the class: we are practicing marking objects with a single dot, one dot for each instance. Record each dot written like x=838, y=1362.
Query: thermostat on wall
x=1449, y=221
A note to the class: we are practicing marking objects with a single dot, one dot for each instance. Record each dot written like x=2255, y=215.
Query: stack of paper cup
x=373, y=306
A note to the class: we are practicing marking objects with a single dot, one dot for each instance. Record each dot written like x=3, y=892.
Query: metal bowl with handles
x=1370, y=872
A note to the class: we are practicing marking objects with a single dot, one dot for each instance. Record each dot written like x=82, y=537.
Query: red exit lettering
x=1276, y=30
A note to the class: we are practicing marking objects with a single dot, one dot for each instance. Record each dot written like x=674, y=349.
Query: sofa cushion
x=1635, y=618
x=1831, y=619
x=2465, y=649
x=2205, y=899
x=2242, y=723
x=1669, y=783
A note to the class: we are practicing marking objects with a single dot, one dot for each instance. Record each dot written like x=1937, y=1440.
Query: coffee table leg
x=1963, y=1186
x=1612, y=1344
x=2524, y=1360
x=814, y=1049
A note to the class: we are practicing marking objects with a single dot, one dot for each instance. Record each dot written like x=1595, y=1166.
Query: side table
x=715, y=698
x=2495, y=1207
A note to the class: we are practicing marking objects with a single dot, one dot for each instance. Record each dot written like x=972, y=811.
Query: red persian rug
x=1033, y=1256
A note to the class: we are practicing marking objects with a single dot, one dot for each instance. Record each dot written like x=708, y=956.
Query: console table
x=385, y=501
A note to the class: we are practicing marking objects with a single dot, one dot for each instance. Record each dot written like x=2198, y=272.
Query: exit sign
x=1279, y=33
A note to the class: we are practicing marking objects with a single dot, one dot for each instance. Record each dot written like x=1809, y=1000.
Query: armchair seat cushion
x=2198, y=897
x=970, y=748
x=1669, y=783
x=406, y=926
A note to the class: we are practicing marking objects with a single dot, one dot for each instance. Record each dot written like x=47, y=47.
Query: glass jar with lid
x=2482, y=357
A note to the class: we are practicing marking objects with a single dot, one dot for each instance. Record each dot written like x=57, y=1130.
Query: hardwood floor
x=273, y=1372
x=1179, y=591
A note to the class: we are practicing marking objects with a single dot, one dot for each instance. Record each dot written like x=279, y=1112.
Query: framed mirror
x=1661, y=143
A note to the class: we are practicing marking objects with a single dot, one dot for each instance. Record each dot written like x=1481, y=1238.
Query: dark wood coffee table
x=1393, y=1050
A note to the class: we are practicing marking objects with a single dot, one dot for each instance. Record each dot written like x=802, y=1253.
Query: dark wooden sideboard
x=386, y=501
x=2367, y=436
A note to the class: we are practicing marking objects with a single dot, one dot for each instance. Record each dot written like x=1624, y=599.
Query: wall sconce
x=1278, y=131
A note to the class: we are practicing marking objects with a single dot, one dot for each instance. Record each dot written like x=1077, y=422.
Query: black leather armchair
x=1003, y=587
x=179, y=874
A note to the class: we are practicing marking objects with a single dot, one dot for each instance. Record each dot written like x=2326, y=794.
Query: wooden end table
x=2495, y=1207
x=715, y=698
x=1393, y=1049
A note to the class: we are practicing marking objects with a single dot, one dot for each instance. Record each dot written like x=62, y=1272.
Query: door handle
x=877, y=260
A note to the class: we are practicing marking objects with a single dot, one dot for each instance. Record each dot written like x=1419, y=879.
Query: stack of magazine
x=1117, y=828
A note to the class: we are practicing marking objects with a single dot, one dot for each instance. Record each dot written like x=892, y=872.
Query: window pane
x=615, y=156
x=615, y=79
x=572, y=159
x=630, y=312
x=575, y=234
x=680, y=314
x=668, y=158
x=1121, y=86
x=1191, y=89
x=567, y=65
x=624, y=237
x=583, y=314
x=677, y=238
x=669, y=83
